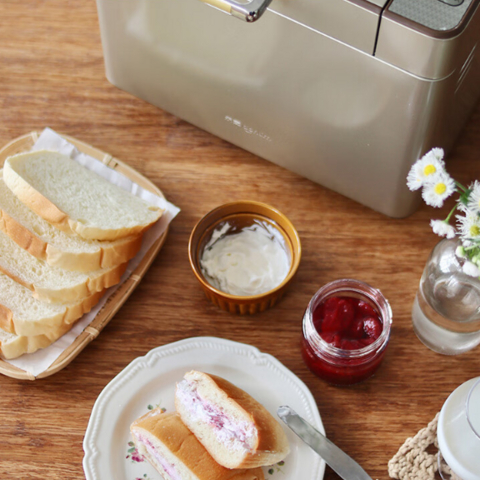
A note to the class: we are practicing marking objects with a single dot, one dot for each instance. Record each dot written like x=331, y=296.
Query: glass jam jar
x=357, y=360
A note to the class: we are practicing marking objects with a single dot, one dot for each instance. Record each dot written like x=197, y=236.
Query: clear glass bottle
x=446, y=310
x=336, y=365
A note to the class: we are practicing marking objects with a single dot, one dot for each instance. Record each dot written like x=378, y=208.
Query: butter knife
x=337, y=459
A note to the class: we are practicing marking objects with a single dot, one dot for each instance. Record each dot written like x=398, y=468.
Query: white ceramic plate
x=149, y=382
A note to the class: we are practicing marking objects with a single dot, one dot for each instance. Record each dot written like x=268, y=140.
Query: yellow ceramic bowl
x=242, y=214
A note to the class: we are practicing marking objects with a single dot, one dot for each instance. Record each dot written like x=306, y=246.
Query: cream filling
x=251, y=262
x=168, y=467
x=237, y=435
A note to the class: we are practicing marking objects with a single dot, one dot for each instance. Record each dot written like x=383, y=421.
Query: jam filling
x=347, y=322
x=168, y=467
x=237, y=434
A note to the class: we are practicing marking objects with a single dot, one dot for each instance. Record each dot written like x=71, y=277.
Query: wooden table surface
x=52, y=74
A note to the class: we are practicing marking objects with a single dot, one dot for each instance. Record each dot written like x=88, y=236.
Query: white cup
x=458, y=430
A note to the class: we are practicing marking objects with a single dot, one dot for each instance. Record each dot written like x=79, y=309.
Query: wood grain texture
x=52, y=74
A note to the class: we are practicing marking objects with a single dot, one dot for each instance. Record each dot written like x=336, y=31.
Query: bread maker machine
x=348, y=93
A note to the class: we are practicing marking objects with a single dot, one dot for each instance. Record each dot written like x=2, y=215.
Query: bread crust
x=22, y=236
x=28, y=195
x=170, y=430
x=94, y=233
x=272, y=445
x=46, y=209
x=32, y=327
x=81, y=291
x=30, y=344
x=105, y=256
x=6, y=319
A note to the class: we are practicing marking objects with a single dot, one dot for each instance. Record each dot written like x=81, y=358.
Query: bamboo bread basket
x=124, y=290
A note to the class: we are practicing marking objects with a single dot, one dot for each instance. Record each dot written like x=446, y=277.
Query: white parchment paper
x=38, y=362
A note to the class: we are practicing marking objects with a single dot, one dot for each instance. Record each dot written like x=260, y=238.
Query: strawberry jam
x=347, y=322
x=346, y=329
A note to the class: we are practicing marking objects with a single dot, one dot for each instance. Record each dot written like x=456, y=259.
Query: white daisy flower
x=469, y=226
x=423, y=169
x=437, y=189
x=442, y=228
x=471, y=269
x=438, y=153
x=474, y=198
x=461, y=206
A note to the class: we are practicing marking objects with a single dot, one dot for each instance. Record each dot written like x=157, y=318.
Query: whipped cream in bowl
x=246, y=261
x=244, y=254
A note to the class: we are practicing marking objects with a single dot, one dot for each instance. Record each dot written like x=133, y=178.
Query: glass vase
x=446, y=310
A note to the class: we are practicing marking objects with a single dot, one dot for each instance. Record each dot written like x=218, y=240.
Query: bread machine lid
x=430, y=38
x=354, y=22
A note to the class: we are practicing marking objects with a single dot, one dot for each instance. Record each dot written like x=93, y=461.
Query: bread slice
x=22, y=314
x=174, y=451
x=57, y=248
x=49, y=283
x=13, y=346
x=236, y=430
x=75, y=199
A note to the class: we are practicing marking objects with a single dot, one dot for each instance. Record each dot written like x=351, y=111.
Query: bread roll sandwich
x=236, y=430
x=174, y=451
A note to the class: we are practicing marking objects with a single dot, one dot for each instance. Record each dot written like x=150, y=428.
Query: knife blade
x=337, y=459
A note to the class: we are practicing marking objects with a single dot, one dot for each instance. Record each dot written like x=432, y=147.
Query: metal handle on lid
x=245, y=11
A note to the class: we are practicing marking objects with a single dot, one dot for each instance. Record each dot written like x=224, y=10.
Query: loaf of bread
x=22, y=314
x=66, y=234
x=75, y=199
x=174, y=451
x=236, y=430
x=57, y=248
x=49, y=283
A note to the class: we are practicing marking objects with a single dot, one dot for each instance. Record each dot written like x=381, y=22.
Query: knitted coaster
x=418, y=458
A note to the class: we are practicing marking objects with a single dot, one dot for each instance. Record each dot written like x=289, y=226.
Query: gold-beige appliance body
x=346, y=93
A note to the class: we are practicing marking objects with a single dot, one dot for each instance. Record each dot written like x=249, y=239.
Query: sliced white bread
x=75, y=199
x=57, y=248
x=13, y=346
x=176, y=454
x=52, y=284
x=236, y=430
x=22, y=314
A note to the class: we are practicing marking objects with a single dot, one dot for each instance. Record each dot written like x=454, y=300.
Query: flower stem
x=450, y=214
